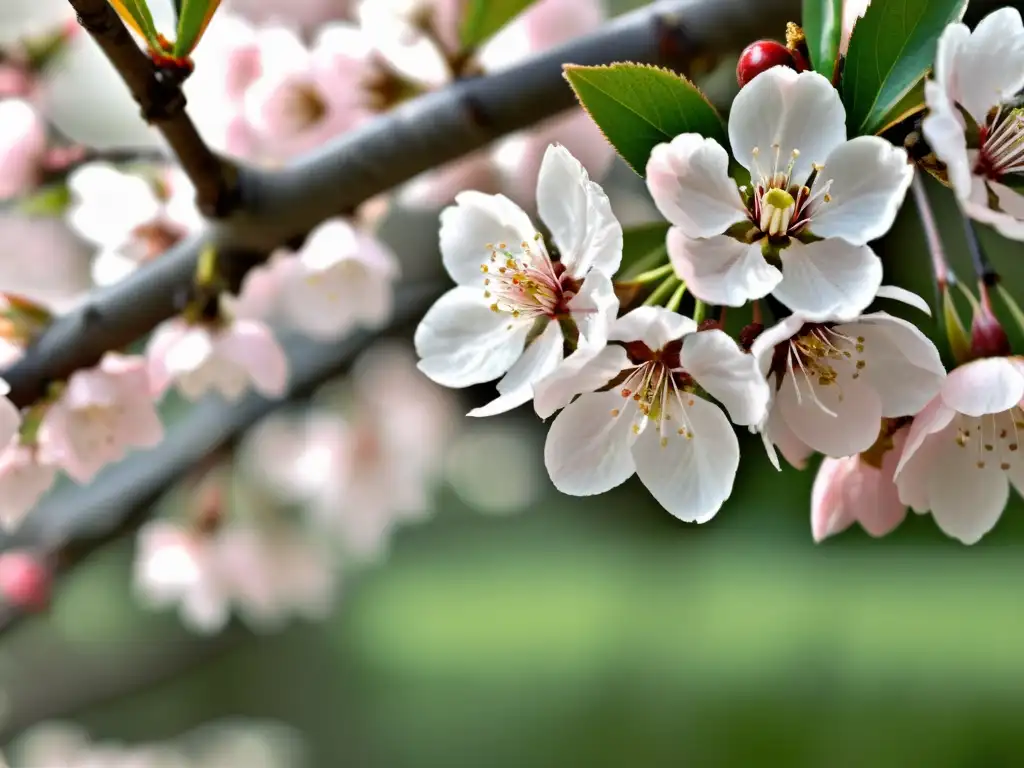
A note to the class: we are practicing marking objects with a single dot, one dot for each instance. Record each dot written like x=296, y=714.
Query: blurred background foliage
x=593, y=631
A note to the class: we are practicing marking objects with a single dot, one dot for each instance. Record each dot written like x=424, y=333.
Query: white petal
x=654, y=326
x=869, y=178
x=853, y=428
x=989, y=67
x=585, y=370
x=933, y=418
x=253, y=348
x=966, y=500
x=729, y=374
x=764, y=345
x=895, y=293
x=985, y=386
x=690, y=183
x=578, y=213
x=901, y=363
x=462, y=341
x=690, y=476
x=943, y=128
x=594, y=308
x=828, y=278
x=588, y=448
x=475, y=224
x=1009, y=220
x=775, y=433
x=541, y=358
x=721, y=270
x=794, y=111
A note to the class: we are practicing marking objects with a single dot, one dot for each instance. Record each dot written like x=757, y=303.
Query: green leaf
x=911, y=103
x=891, y=49
x=638, y=106
x=195, y=15
x=485, y=17
x=643, y=249
x=136, y=14
x=822, y=22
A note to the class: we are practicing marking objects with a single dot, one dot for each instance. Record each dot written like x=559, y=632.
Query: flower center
x=305, y=107
x=819, y=356
x=994, y=439
x=778, y=205
x=1001, y=150
x=657, y=391
x=525, y=283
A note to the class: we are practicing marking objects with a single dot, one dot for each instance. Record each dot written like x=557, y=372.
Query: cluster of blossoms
x=224, y=745
x=648, y=391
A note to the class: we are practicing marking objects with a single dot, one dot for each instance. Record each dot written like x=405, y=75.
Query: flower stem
x=653, y=275
x=677, y=298
x=662, y=292
x=699, y=309
x=940, y=267
x=979, y=260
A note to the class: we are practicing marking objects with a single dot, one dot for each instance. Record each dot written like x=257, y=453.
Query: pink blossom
x=41, y=259
x=226, y=357
x=22, y=146
x=10, y=416
x=23, y=481
x=307, y=14
x=860, y=489
x=25, y=581
x=962, y=453
x=101, y=413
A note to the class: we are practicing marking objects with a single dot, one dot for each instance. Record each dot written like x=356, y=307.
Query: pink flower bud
x=22, y=144
x=25, y=582
x=988, y=339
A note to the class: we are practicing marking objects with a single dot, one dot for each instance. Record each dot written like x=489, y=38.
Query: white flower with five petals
x=977, y=79
x=833, y=382
x=640, y=412
x=800, y=231
x=505, y=317
x=963, y=450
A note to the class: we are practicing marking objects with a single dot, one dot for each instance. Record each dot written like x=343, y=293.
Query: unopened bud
x=988, y=339
x=749, y=334
x=761, y=56
x=25, y=582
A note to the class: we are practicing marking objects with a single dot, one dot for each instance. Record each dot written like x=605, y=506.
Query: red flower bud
x=760, y=56
x=988, y=339
x=25, y=581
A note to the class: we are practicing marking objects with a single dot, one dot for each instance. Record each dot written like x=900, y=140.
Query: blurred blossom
x=131, y=218
x=23, y=18
x=860, y=488
x=306, y=14
x=25, y=580
x=510, y=484
x=41, y=259
x=23, y=481
x=22, y=146
x=340, y=279
x=227, y=356
x=10, y=415
x=100, y=413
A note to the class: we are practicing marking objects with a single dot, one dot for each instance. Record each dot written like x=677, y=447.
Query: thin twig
x=275, y=207
x=940, y=267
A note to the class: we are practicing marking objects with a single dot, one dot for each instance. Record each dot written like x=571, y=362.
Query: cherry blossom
x=860, y=488
x=130, y=217
x=977, y=78
x=22, y=146
x=41, y=259
x=23, y=481
x=340, y=279
x=652, y=421
x=730, y=246
x=853, y=10
x=228, y=356
x=834, y=381
x=101, y=412
x=10, y=416
x=504, y=318
x=962, y=451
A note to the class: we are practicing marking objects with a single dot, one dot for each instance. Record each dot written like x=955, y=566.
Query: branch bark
x=275, y=207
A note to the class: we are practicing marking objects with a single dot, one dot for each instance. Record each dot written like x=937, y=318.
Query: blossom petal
x=729, y=374
x=830, y=514
x=853, y=428
x=869, y=179
x=966, y=500
x=895, y=293
x=764, y=345
x=989, y=66
x=594, y=308
x=541, y=358
x=588, y=448
x=462, y=341
x=585, y=370
x=1009, y=219
x=828, y=278
x=579, y=215
x=985, y=386
x=796, y=111
x=654, y=326
x=901, y=363
x=252, y=346
x=690, y=183
x=690, y=476
x=933, y=418
x=943, y=128
x=775, y=433
x=721, y=270
x=476, y=224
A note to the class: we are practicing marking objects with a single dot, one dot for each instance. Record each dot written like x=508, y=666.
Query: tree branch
x=158, y=94
x=275, y=207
